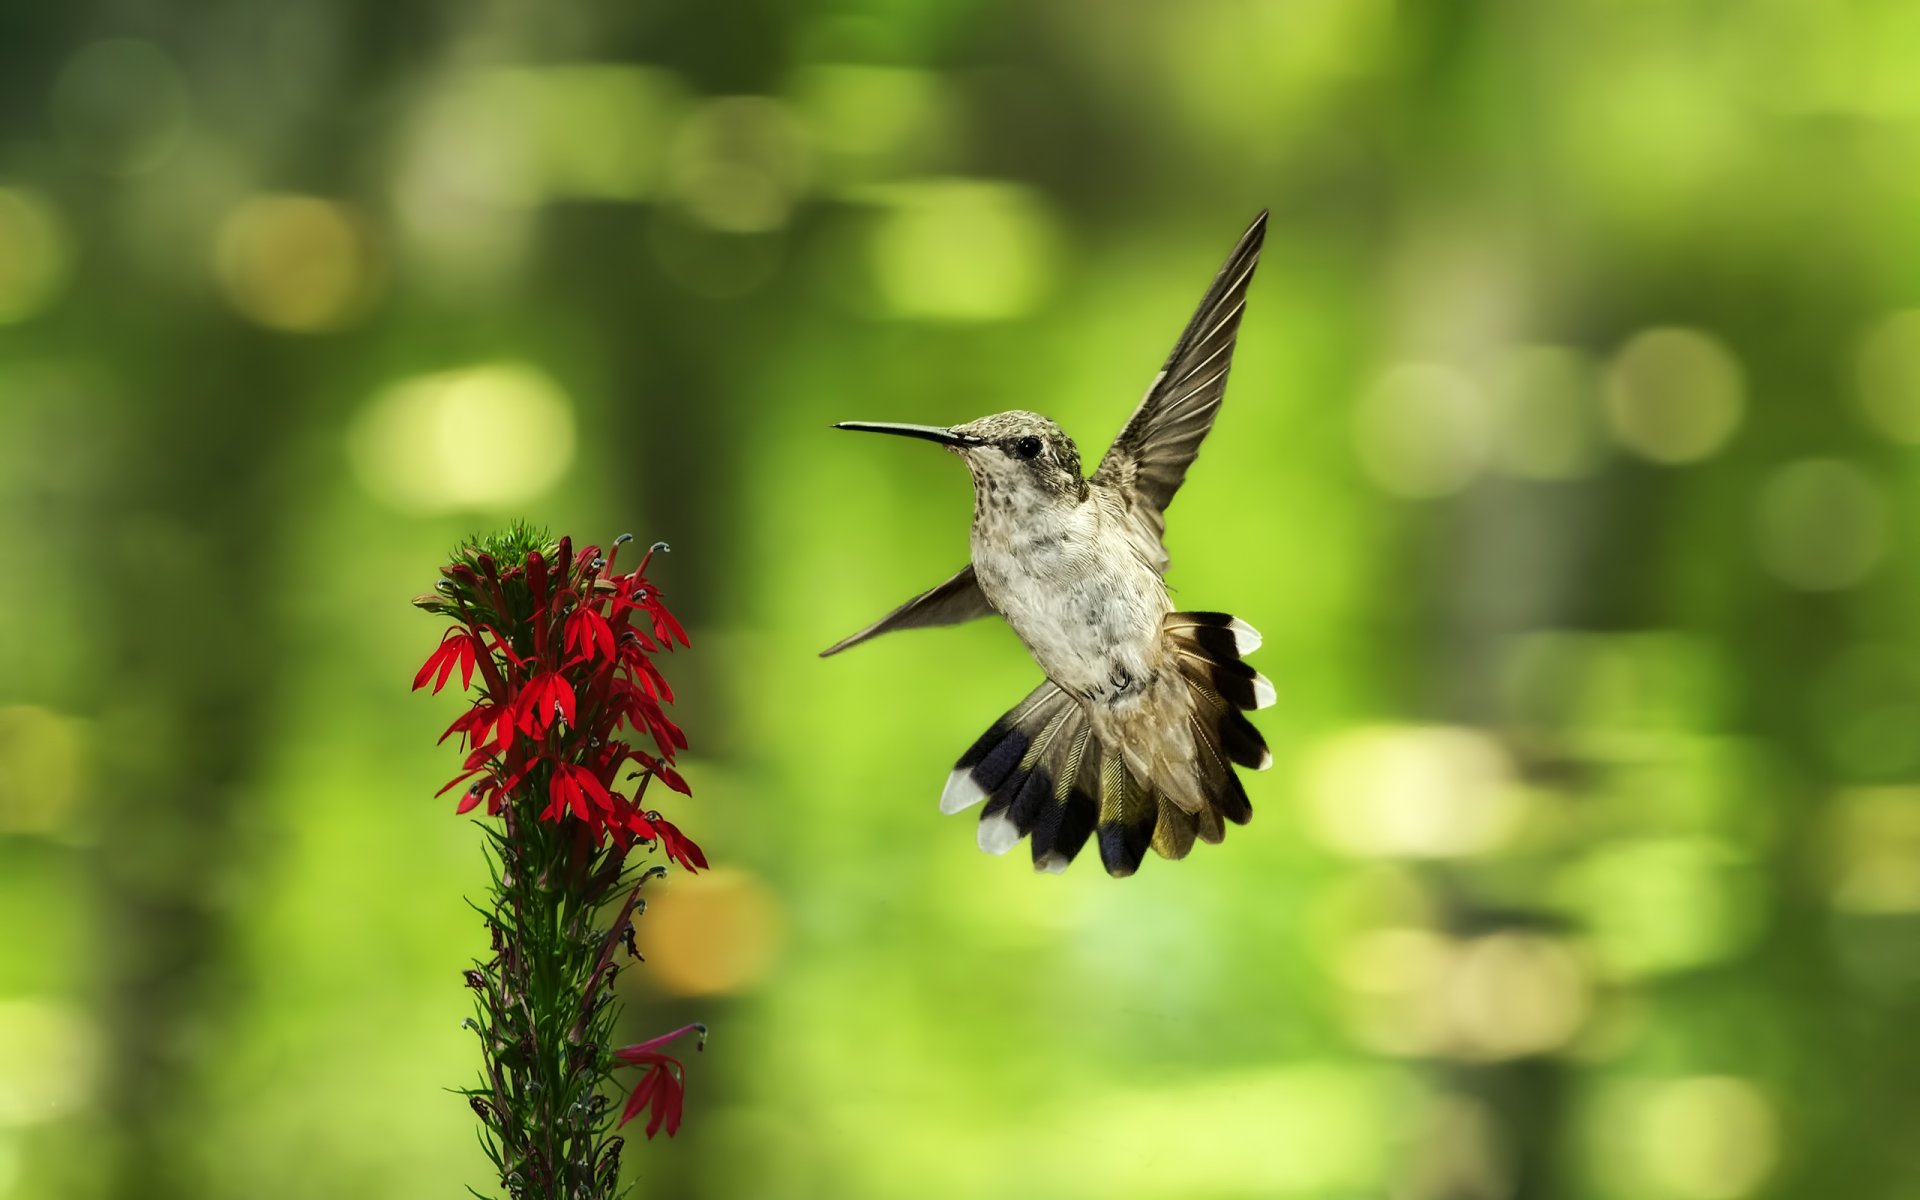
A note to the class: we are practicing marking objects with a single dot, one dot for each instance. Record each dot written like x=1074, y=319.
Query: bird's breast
x=1074, y=591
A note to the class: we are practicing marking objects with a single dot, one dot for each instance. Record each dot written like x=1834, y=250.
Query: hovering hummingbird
x=1133, y=732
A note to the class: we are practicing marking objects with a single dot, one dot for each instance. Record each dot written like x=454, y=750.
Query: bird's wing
x=958, y=599
x=1149, y=459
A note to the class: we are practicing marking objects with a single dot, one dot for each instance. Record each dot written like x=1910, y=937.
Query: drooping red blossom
x=663, y=1087
x=562, y=645
x=456, y=647
x=679, y=847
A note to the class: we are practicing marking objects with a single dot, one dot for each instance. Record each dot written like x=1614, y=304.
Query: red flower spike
x=560, y=687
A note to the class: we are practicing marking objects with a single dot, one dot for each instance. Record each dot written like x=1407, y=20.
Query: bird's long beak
x=931, y=433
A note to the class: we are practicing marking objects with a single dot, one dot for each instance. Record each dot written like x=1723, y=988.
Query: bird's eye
x=1027, y=447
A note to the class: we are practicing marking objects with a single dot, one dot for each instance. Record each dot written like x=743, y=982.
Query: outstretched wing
x=1149, y=459
x=958, y=599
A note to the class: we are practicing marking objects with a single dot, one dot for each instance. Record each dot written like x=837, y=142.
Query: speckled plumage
x=1133, y=734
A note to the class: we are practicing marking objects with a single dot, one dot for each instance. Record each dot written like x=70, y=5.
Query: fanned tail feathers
x=1046, y=776
x=1038, y=770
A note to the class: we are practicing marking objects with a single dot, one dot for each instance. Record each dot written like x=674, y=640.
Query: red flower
x=546, y=698
x=588, y=634
x=563, y=647
x=664, y=1085
x=456, y=647
x=573, y=785
x=679, y=847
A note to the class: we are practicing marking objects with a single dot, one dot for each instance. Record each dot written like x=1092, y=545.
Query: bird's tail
x=1048, y=777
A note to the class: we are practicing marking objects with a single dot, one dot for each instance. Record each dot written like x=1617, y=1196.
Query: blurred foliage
x=1566, y=467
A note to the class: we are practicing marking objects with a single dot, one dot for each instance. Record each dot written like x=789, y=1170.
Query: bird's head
x=1018, y=453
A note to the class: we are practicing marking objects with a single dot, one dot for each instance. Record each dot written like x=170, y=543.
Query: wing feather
x=958, y=599
x=1148, y=461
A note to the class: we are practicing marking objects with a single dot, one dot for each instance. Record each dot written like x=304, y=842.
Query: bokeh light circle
x=1820, y=525
x=33, y=255
x=484, y=437
x=294, y=263
x=1674, y=396
x=1423, y=431
x=1888, y=369
x=964, y=250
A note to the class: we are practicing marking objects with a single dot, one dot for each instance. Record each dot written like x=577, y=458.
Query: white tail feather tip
x=1263, y=693
x=1051, y=863
x=1246, y=639
x=997, y=834
x=961, y=792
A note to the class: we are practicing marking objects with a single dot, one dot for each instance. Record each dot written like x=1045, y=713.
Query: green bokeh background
x=1568, y=466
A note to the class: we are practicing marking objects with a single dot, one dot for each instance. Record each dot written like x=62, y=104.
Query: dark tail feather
x=1208, y=647
x=1046, y=778
x=1128, y=816
x=1033, y=769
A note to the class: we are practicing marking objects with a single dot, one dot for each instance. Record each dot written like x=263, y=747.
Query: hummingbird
x=1133, y=736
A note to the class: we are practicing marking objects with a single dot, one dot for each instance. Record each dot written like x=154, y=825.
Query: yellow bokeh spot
x=294, y=263
x=33, y=255
x=1515, y=994
x=1874, y=836
x=1392, y=976
x=1423, y=431
x=1413, y=791
x=1504, y=995
x=710, y=934
x=1888, y=369
x=40, y=757
x=1674, y=395
x=963, y=250
x=1710, y=1137
x=1820, y=525
x=484, y=437
x=48, y=1061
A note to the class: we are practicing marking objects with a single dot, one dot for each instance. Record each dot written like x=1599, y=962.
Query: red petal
x=675, y=1097
x=638, y=1100
x=593, y=787
x=459, y=779
x=658, y=681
